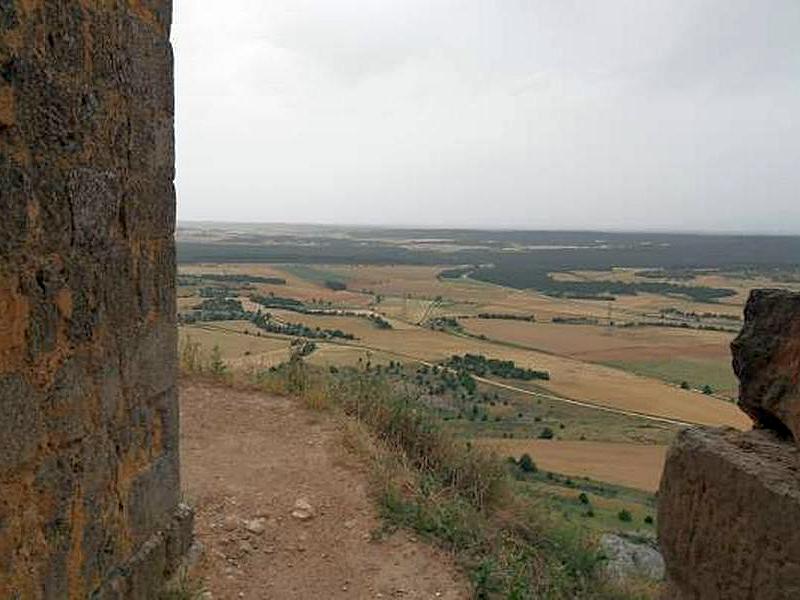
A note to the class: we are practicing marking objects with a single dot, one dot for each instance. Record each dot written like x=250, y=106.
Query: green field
x=519, y=416
x=600, y=506
x=313, y=274
x=697, y=373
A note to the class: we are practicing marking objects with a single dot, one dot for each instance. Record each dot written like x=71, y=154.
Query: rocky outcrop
x=89, y=477
x=728, y=506
x=766, y=358
x=729, y=500
x=629, y=559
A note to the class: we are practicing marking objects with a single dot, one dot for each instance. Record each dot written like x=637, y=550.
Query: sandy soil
x=632, y=465
x=247, y=459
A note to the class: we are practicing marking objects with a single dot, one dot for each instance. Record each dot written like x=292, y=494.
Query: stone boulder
x=729, y=506
x=766, y=359
x=631, y=559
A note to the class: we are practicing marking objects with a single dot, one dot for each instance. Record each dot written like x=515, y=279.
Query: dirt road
x=247, y=461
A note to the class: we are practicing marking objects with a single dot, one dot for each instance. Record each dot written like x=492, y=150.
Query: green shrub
x=216, y=365
x=526, y=464
x=625, y=516
x=546, y=434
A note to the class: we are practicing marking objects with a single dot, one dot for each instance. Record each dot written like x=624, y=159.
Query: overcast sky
x=613, y=114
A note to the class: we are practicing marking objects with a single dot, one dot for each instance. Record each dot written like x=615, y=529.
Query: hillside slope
x=247, y=458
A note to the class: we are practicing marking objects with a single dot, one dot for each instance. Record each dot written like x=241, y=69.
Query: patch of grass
x=314, y=274
x=696, y=373
x=525, y=417
x=189, y=356
x=193, y=361
x=603, y=501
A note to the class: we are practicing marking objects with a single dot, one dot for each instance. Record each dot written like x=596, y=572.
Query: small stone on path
x=303, y=510
x=256, y=526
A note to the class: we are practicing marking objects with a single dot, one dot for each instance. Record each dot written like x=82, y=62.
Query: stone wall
x=89, y=479
x=729, y=501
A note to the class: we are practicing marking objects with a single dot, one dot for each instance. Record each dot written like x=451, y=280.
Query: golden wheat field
x=599, y=343
x=232, y=343
x=632, y=465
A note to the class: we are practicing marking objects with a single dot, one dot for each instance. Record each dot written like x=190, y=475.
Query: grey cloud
x=548, y=113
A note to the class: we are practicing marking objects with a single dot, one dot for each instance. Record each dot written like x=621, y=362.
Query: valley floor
x=247, y=458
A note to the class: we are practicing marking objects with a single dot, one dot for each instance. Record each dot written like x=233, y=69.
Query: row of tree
x=479, y=365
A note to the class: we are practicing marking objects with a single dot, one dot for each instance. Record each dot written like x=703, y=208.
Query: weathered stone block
x=94, y=201
x=13, y=193
x=20, y=423
x=146, y=218
x=8, y=15
x=766, y=358
x=728, y=505
x=158, y=557
x=153, y=496
x=89, y=476
x=179, y=537
x=68, y=406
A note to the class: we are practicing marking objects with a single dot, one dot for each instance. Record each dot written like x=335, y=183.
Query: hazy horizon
x=435, y=227
x=622, y=116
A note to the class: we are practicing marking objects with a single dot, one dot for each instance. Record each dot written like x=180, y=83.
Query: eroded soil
x=247, y=458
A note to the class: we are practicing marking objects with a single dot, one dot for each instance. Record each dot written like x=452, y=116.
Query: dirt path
x=247, y=459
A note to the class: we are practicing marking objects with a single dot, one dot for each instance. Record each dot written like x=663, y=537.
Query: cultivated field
x=601, y=344
x=295, y=286
x=632, y=465
x=673, y=355
x=233, y=345
x=570, y=378
x=614, y=398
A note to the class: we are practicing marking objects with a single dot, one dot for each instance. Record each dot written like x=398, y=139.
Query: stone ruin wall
x=729, y=503
x=89, y=477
